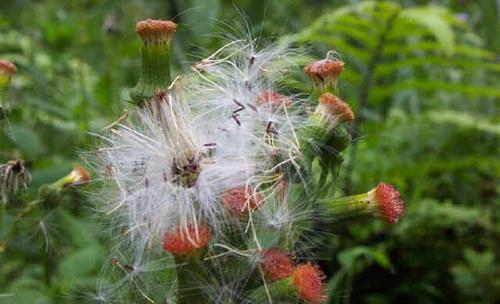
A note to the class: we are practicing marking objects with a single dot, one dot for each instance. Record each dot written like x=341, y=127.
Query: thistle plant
x=219, y=176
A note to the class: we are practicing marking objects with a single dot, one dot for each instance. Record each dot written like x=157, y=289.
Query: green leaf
x=81, y=263
x=27, y=140
x=434, y=19
x=465, y=120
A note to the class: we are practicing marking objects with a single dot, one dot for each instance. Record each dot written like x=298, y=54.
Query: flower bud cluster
x=218, y=165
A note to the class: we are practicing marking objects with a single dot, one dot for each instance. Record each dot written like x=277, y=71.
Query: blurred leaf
x=27, y=140
x=80, y=263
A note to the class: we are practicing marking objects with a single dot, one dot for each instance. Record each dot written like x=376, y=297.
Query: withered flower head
x=333, y=110
x=13, y=177
x=324, y=73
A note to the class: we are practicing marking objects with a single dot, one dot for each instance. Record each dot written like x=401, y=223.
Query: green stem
x=281, y=289
x=155, y=73
x=12, y=229
x=349, y=205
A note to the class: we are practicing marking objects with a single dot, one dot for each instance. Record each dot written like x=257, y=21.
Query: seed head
x=188, y=240
x=276, y=264
x=308, y=282
x=239, y=200
x=389, y=204
x=155, y=31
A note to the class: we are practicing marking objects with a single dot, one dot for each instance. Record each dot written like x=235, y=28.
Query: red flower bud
x=308, y=281
x=276, y=264
x=188, y=240
x=389, y=203
x=239, y=199
x=7, y=67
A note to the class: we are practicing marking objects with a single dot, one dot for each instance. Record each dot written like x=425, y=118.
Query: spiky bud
x=308, y=282
x=155, y=52
x=7, y=69
x=185, y=241
x=239, y=200
x=273, y=99
x=324, y=73
x=275, y=264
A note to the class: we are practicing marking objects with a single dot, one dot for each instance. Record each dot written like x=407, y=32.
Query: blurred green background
x=422, y=76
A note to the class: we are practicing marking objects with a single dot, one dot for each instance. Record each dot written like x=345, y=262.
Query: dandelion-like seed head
x=13, y=177
x=155, y=31
x=388, y=201
x=185, y=241
x=239, y=200
x=324, y=73
x=276, y=264
x=308, y=282
x=333, y=110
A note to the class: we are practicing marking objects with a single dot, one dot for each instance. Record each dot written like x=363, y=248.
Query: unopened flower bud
x=388, y=202
x=324, y=73
x=239, y=200
x=308, y=282
x=275, y=264
x=383, y=201
x=7, y=69
x=185, y=241
x=155, y=52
